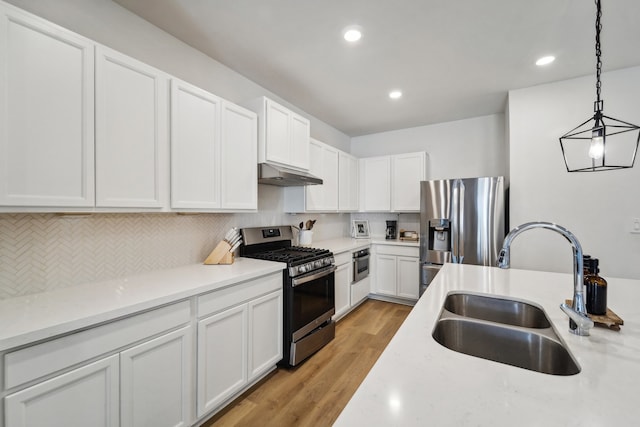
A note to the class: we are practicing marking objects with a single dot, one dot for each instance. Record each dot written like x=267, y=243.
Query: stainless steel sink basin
x=507, y=331
x=501, y=310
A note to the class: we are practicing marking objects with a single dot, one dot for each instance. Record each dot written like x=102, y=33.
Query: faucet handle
x=583, y=322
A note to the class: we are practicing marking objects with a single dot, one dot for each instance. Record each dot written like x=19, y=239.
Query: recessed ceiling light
x=352, y=34
x=395, y=94
x=545, y=60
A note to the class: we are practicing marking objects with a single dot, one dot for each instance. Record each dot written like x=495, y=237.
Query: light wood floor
x=314, y=393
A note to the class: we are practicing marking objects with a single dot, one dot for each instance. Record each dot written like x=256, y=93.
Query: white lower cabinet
x=222, y=357
x=151, y=368
x=386, y=275
x=86, y=396
x=342, y=289
x=148, y=383
x=156, y=382
x=360, y=290
x=408, y=277
x=265, y=333
x=239, y=339
x=349, y=294
x=397, y=271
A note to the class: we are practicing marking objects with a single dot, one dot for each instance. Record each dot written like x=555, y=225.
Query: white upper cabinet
x=46, y=114
x=375, y=184
x=239, y=158
x=213, y=151
x=347, y=182
x=392, y=183
x=283, y=136
x=407, y=170
x=131, y=132
x=299, y=142
x=195, y=147
x=323, y=162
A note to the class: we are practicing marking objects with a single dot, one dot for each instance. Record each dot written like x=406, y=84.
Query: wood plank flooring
x=314, y=393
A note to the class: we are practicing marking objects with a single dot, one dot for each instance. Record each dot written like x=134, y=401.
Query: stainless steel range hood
x=271, y=174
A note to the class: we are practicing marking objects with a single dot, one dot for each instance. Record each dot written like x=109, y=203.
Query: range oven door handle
x=361, y=258
x=325, y=271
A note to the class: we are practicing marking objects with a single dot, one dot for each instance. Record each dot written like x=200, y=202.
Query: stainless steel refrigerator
x=461, y=221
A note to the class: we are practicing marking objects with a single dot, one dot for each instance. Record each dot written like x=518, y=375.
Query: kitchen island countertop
x=418, y=382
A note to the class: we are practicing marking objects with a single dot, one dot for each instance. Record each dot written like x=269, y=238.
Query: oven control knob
x=303, y=268
x=318, y=264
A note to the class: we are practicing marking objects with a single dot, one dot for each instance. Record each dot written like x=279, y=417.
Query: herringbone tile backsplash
x=42, y=252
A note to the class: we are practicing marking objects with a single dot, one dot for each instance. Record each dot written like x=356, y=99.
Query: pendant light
x=600, y=143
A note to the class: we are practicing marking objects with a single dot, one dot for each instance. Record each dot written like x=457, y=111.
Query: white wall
x=596, y=207
x=460, y=149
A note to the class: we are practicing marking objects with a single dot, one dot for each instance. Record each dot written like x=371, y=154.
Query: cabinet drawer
x=398, y=250
x=228, y=297
x=39, y=360
x=342, y=258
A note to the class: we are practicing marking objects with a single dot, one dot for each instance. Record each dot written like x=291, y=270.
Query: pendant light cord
x=598, y=103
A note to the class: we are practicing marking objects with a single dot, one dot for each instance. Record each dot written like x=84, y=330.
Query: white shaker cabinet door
x=343, y=289
x=386, y=275
x=407, y=172
x=195, y=147
x=277, y=133
x=131, y=132
x=330, y=178
x=156, y=382
x=375, y=184
x=222, y=357
x=239, y=158
x=315, y=193
x=408, y=277
x=46, y=114
x=87, y=396
x=300, y=132
x=265, y=333
x=347, y=182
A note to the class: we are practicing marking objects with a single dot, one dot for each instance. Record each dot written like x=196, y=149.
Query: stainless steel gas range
x=308, y=288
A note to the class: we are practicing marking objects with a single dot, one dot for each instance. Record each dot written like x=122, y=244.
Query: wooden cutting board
x=609, y=320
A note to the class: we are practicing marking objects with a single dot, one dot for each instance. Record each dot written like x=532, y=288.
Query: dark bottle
x=596, y=289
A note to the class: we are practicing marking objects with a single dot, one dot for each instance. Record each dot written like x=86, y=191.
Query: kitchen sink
x=500, y=310
x=507, y=331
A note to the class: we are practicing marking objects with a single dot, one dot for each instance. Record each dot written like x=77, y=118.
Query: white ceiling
x=453, y=59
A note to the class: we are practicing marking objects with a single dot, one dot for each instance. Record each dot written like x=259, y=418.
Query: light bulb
x=352, y=35
x=596, y=148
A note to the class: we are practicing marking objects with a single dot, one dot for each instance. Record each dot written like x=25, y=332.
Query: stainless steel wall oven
x=308, y=289
x=360, y=264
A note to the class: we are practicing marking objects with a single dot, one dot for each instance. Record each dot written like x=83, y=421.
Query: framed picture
x=361, y=229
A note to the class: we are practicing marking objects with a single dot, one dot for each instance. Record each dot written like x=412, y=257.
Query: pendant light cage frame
x=620, y=145
x=617, y=139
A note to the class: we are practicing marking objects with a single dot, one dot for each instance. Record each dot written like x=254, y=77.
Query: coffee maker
x=392, y=230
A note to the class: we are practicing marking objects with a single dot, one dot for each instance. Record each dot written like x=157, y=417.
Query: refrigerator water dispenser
x=439, y=232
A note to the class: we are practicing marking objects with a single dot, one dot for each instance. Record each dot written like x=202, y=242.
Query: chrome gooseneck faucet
x=579, y=323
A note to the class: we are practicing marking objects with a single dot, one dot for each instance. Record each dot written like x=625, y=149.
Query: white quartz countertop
x=418, y=382
x=349, y=244
x=34, y=317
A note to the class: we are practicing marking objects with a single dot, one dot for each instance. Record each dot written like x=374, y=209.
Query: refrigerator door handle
x=455, y=200
x=461, y=223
